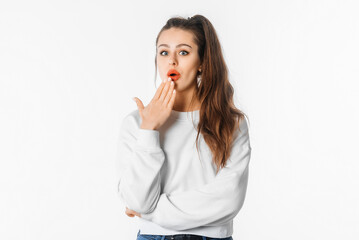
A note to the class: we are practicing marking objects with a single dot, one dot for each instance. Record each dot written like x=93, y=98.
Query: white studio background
x=69, y=70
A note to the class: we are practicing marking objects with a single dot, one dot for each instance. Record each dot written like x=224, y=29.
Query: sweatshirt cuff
x=148, y=138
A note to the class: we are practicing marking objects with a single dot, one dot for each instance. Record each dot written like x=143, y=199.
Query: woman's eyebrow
x=179, y=45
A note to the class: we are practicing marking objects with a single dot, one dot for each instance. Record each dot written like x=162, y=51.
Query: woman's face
x=177, y=50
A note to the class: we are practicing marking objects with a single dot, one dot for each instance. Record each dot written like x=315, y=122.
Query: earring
x=199, y=78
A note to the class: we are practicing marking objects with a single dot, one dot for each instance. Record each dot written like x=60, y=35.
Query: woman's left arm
x=214, y=203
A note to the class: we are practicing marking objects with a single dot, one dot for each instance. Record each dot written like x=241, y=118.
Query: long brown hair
x=219, y=117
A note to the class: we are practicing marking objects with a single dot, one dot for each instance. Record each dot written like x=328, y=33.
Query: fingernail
x=164, y=80
x=169, y=79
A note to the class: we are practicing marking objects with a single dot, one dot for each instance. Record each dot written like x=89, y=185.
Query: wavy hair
x=219, y=117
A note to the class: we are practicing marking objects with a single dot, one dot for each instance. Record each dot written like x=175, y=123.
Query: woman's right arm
x=139, y=152
x=141, y=158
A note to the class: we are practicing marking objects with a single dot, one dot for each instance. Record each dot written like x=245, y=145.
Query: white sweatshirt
x=175, y=191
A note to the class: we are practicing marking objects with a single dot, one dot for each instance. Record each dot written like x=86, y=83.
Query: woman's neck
x=183, y=101
x=184, y=109
x=185, y=106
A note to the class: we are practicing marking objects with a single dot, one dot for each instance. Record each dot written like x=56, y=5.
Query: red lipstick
x=173, y=74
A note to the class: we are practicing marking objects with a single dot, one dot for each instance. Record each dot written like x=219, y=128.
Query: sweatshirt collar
x=185, y=116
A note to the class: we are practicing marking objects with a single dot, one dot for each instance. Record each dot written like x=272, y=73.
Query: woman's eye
x=185, y=52
x=180, y=52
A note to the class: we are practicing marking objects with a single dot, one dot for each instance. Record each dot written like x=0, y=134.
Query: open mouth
x=173, y=74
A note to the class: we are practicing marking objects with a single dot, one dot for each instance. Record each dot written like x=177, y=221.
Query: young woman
x=186, y=177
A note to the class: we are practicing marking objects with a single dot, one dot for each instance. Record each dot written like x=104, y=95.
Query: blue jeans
x=176, y=237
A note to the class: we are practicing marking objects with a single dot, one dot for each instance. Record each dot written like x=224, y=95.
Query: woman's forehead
x=175, y=37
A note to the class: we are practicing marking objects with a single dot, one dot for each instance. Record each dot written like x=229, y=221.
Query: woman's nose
x=172, y=62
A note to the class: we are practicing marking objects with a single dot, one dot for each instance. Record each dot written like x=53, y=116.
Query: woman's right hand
x=159, y=109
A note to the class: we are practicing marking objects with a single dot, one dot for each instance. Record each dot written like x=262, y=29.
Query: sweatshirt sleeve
x=214, y=203
x=140, y=160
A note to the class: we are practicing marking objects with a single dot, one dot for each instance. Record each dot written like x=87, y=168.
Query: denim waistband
x=177, y=237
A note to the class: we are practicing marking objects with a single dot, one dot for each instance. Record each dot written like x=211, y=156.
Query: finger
x=159, y=90
x=172, y=100
x=165, y=90
x=139, y=104
x=130, y=215
x=129, y=212
x=169, y=93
